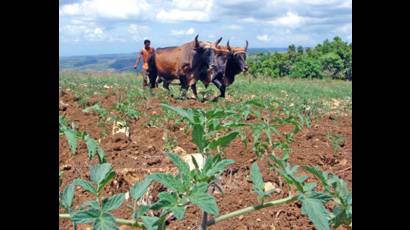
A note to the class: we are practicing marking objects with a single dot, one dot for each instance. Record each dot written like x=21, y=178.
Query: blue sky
x=90, y=27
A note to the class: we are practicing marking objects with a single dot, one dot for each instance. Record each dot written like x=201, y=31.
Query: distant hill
x=122, y=62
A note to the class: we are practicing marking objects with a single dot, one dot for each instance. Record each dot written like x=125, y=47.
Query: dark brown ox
x=188, y=63
x=229, y=62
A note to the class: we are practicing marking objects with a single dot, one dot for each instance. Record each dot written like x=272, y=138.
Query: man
x=144, y=54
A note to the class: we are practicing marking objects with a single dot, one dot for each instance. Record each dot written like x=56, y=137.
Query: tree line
x=330, y=59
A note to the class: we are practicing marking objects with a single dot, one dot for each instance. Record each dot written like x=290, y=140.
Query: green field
x=320, y=95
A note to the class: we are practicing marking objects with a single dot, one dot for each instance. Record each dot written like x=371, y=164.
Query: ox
x=188, y=62
x=229, y=62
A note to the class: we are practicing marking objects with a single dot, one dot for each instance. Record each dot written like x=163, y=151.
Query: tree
x=332, y=65
x=306, y=68
x=300, y=50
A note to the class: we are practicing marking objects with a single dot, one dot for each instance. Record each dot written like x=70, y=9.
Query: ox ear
x=229, y=47
x=196, y=41
x=218, y=41
x=246, y=46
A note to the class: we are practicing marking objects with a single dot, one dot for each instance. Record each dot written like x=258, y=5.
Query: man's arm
x=137, y=62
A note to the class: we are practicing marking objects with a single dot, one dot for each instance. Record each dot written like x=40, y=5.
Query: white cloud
x=189, y=31
x=249, y=20
x=263, y=38
x=291, y=20
x=185, y=10
x=113, y=9
x=234, y=27
x=182, y=15
x=79, y=31
x=193, y=4
x=138, y=32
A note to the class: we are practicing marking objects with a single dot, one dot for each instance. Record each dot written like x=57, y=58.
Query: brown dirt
x=135, y=157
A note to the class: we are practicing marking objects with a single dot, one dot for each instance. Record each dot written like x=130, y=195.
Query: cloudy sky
x=120, y=26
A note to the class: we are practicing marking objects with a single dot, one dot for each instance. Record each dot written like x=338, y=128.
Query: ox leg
x=193, y=87
x=152, y=79
x=184, y=86
x=165, y=84
x=220, y=86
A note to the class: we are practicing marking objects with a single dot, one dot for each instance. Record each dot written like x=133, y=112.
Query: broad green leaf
x=316, y=212
x=161, y=204
x=203, y=200
x=106, y=180
x=322, y=176
x=341, y=216
x=309, y=187
x=105, y=222
x=218, y=168
x=91, y=203
x=140, y=212
x=178, y=212
x=85, y=216
x=223, y=141
x=257, y=179
x=67, y=197
x=91, y=146
x=200, y=188
x=71, y=136
x=198, y=137
x=101, y=154
x=140, y=188
x=319, y=196
x=206, y=202
x=112, y=203
x=168, y=181
x=85, y=185
x=301, y=179
x=208, y=163
x=181, y=165
x=149, y=222
x=171, y=198
x=101, y=174
x=181, y=112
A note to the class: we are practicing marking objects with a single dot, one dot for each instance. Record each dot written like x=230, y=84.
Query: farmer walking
x=144, y=54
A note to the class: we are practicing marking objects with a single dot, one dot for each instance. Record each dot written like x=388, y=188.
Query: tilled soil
x=142, y=153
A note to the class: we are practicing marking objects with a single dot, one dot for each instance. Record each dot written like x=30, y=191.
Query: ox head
x=235, y=62
x=203, y=62
x=238, y=57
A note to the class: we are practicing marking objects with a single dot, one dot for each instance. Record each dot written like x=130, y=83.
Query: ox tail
x=152, y=71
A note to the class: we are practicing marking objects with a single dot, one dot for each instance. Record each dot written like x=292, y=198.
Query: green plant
x=170, y=142
x=73, y=136
x=190, y=187
x=336, y=140
x=187, y=187
x=206, y=127
x=96, y=212
x=128, y=110
x=153, y=120
x=102, y=113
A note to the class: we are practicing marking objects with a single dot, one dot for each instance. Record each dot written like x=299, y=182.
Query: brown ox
x=188, y=62
x=229, y=61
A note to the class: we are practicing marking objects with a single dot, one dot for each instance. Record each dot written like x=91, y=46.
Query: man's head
x=147, y=43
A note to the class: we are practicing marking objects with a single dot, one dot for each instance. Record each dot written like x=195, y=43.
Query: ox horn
x=196, y=41
x=246, y=46
x=227, y=45
x=218, y=41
